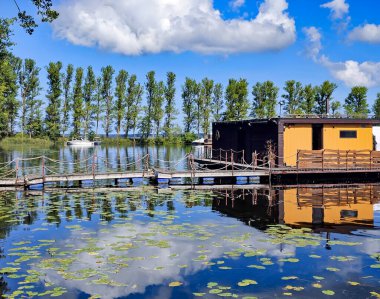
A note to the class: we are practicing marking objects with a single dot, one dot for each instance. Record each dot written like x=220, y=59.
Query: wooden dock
x=314, y=167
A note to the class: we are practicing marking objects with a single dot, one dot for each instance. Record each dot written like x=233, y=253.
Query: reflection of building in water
x=255, y=207
x=348, y=207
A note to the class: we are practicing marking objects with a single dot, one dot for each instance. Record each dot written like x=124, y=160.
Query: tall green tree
x=264, y=99
x=309, y=99
x=34, y=122
x=355, y=105
x=52, y=118
x=120, y=94
x=29, y=86
x=293, y=97
x=190, y=91
x=78, y=111
x=236, y=98
x=207, y=87
x=67, y=97
x=376, y=106
x=133, y=101
x=99, y=104
x=89, y=96
x=217, y=102
x=324, y=96
x=106, y=93
x=157, y=107
x=335, y=106
x=170, y=110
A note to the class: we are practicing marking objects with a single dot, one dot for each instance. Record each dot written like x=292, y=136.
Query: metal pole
x=43, y=170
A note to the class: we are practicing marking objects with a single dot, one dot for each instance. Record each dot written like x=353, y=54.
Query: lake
x=145, y=242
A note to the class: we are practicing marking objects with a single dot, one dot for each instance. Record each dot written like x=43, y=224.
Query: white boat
x=200, y=141
x=80, y=143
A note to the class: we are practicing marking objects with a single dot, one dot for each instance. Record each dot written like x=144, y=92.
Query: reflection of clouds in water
x=371, y=243
x=141, y=274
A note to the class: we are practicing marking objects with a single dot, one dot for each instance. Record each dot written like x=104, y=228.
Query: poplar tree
x=29, y=85
x=217, y=102
x=355, y=105
x=206, y=93
x=99, y=103
x=151, y=112
x=106, y=94
x=335, y=106
x=309, y=98
x=324, y=97
x=293, y=97
x=376, y=107
x=133, y=101
x=190, y=92
x=11, y=104
x=52, y=119
x=170, y=110
x=66, y=108
x=120, y=94
x=78, y=112
x=89, y=94
x=34, y=123
x=236, y=98
x=157, y=110
x=264, y=99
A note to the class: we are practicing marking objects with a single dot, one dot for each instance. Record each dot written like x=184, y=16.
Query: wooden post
x=226, y=159
x=232, y=162
x=43, y=170
x=243, y=158
x=17, y=165
x=220, y=155
x=298, y=159
x=347, y=160
x=93, y=165
x=370, y=160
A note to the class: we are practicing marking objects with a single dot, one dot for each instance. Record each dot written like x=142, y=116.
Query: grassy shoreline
x=26, y=141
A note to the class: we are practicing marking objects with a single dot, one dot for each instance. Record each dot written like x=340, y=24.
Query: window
x=348, y=134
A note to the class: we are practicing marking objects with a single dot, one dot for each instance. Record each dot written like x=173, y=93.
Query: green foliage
x=21, y=141
x=5, y=37
x=44, y=10
x=293, y=97
x=106, y=96
x=99, y=103
x=89, y=95
x=133, y=101
x=189, y=137
x=376, y=106
x=335, y=106
x=356, y=104
x=157, y=110
x=236, y=98
x=78, y=112
x=120, y=94
x=170, y=110
x=309, y=99
x=190, y=91
x=52, y=119
x=66, y=108
x=324, y=96
x=217, y=102
x=264, y=99
x=207, y=87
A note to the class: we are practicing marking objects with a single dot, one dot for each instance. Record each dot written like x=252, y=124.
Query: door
x=317, y=137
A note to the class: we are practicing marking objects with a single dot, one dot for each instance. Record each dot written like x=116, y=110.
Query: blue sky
x=305, y=40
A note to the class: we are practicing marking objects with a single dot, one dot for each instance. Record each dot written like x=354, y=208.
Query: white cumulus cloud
x=339, y=8
x=369, y=33
x=350, y=72
x=135, y=27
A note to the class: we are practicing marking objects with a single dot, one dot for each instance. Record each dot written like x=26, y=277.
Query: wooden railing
x=338, y=159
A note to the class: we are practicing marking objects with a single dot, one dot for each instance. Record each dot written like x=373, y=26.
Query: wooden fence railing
x=338, y=159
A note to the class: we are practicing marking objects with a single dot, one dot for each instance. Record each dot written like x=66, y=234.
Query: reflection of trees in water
x=3, y=287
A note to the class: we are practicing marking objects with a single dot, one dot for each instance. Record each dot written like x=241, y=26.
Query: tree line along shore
x=78, y=103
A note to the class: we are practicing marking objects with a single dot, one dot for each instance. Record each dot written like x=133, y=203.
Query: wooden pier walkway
x=310, y=167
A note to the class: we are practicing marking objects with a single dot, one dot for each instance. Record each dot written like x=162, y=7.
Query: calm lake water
x=146, y=242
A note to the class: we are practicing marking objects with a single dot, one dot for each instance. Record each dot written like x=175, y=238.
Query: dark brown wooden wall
x=246, y=135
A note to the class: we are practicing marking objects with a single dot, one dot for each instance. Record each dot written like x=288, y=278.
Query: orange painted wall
x=296, y=137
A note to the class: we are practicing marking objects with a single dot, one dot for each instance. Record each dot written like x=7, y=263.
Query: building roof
x=309, y=120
